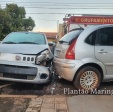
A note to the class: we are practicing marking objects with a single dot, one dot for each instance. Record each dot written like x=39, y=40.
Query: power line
x=43, y=19
x=90, y=7
x=58, y=2
x=84, y=5
x=66, y=13
x=6, y=1
x=47, y=13
x=76, y=7
x=63, y=3
x=73, y=8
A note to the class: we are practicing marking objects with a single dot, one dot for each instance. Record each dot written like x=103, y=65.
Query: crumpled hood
x=22, y=48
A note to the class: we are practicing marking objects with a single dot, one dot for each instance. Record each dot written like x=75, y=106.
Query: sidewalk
x=90, y=103
x=79, y=103
x=48, y=104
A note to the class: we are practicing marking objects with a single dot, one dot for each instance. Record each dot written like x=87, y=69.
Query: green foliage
x=28, y=24
x=12, y=19
x=5, y=24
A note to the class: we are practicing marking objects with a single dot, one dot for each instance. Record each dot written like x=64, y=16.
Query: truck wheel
x=88, y=78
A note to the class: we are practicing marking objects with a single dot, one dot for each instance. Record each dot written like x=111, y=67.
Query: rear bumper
x=22, y=72
x=67, y=68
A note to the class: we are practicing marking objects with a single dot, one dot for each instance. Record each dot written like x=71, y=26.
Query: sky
x=47, y=14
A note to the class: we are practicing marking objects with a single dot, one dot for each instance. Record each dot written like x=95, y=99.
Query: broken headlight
x=42, y=57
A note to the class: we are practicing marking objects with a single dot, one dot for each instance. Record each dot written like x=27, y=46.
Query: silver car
x=24, y=57
x=85, y=57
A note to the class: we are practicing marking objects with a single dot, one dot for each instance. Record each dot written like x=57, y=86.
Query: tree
x=16, y=14
x=12, y=19
x=28, y=24
x=5, y=24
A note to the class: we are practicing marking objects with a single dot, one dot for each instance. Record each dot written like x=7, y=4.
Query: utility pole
x=57, y=30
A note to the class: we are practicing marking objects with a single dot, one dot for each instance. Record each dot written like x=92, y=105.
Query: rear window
x=70, y=36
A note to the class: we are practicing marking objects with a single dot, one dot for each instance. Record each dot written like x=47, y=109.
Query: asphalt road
x=55, y=87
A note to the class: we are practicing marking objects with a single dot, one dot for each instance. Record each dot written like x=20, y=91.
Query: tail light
x=70, y=54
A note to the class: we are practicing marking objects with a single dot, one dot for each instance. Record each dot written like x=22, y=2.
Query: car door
x=104, y=48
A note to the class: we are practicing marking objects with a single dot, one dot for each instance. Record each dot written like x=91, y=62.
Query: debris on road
x=6, y=85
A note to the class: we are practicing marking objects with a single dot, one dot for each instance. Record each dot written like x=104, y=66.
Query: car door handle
x=102, y=51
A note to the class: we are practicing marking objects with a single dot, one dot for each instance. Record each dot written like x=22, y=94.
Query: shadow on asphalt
x=56, y=87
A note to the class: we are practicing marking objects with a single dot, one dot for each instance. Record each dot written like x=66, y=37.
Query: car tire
x=88, y=78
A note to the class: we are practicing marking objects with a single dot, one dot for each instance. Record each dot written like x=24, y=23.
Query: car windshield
x=24, y=38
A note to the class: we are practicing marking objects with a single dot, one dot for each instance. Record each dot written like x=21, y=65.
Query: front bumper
x=66, y=68
x=24, y=72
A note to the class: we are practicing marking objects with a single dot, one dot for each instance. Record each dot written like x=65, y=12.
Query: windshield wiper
x=27, y=43
x=9, y=42
x=62, y=41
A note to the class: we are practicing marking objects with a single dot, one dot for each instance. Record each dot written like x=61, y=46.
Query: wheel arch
x=92, y=65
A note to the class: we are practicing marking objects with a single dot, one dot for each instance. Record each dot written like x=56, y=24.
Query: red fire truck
x=74, y=21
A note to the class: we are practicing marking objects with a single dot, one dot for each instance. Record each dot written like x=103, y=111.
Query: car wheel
x=88, y=78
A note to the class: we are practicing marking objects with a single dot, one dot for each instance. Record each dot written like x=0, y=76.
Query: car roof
x=90, y=29
x=95, y=27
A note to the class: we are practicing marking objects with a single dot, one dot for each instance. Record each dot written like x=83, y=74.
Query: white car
x=85, y=57
x=23, y=58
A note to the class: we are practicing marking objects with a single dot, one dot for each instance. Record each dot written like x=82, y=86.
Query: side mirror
x=50, y=44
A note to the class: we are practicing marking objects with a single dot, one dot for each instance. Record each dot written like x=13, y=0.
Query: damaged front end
x=44, y=57
x=27, y=68
x=24, y=57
